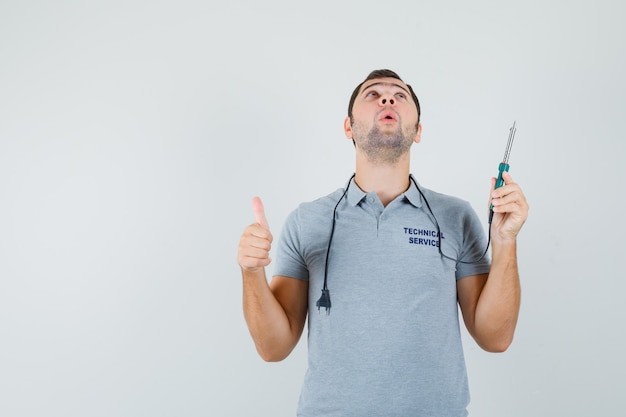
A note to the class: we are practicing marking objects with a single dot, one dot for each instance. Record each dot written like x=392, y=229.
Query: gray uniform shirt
x=391, y=345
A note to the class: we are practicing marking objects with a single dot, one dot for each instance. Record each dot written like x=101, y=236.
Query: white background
x=133, y=135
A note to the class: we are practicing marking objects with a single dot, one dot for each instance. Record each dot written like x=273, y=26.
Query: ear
x=347, y=128
x=418, y=135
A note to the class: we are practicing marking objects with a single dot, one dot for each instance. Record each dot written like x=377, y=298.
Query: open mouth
x=388, y=116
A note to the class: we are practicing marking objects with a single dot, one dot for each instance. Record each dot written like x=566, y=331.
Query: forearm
x=267, y=321
x=498, y=307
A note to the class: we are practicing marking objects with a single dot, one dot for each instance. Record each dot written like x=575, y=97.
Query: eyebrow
x=382, y=83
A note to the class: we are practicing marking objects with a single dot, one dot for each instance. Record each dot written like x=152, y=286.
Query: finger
x=259, y=213
x=494, y=193
x=512, y=202
x=507, y=177
x=253, y=251
x=508, y=187
x=504, y=195
x=251, y=262
x=258, y=237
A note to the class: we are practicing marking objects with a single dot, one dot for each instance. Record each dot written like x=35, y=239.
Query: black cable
x=439, y=231
x=324, y=300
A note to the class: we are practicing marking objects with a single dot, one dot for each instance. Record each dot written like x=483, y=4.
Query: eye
x=401, y=95
x=372, y=94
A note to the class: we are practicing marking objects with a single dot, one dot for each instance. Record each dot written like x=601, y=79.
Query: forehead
x=384, y=82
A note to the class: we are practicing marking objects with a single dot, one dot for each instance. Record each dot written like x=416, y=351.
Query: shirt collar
x=355, y=194
x=412, y=194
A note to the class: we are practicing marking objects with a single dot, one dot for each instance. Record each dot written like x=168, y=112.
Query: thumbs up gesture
x=256, y=241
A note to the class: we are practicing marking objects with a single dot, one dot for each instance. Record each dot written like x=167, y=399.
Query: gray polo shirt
x=391, y=345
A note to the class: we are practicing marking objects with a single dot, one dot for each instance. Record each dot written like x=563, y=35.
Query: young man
x=378, y=267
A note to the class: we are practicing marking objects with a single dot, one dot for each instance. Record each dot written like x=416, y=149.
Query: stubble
x=383, y=148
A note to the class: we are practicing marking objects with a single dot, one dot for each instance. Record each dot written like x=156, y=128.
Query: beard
x=383, y=148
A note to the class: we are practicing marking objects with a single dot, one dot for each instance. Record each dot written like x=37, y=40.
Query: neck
x=388, y=181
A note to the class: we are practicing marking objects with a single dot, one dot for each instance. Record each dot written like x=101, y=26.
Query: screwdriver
x=504, y=165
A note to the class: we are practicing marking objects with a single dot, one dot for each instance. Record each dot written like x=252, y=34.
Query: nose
x=384, y=100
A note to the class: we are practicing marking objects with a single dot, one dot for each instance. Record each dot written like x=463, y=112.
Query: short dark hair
x=382, y=73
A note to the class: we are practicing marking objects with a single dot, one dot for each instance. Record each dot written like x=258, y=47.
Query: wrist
x=503, y=247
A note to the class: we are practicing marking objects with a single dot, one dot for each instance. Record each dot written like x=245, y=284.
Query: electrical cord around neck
x=324, y=300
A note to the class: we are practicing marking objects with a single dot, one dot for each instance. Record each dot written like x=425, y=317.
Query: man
x=378, y=267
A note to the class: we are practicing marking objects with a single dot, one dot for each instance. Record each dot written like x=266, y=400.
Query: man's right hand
x=256, y=241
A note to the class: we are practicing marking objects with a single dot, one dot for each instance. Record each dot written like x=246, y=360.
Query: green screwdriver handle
x=499, y=183
x=504, y=165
